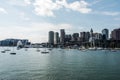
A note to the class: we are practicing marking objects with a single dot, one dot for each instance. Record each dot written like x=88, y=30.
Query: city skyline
x=32, y=19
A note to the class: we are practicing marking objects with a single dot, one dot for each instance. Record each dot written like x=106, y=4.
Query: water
x=60, y=65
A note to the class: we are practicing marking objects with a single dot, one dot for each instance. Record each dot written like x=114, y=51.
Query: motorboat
x=2, y=51
x=44, y=52
x=7, y=49
x=50, y=49
x=13, y=53
x=38, y=50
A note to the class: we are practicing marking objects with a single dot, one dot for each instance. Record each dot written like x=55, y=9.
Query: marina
x=60, y=64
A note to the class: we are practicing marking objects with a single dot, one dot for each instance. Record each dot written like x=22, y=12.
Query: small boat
x=7, y=49
x=19, y=45
x=113, y=50
x=13, y=53
x=2, y=51
x=38, y=50
x=26, y=49
x=50, y=49
x=44, y=52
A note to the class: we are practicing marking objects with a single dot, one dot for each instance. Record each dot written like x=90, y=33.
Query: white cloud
x=110, y=13
x=28, y=2
x=23, y=16
x=47, y=7
x=36, y=32
x=96, y=2
x=107, y=13
x=20, y=2
x=2, y=10
x=80, y=6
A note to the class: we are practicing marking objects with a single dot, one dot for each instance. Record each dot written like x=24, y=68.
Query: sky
x=33, y=19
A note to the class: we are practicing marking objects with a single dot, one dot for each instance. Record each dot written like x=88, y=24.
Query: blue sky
x=32, y=19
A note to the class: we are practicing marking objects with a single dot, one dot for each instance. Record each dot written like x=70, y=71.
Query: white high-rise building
x=62, y=36
x=56, y=38
x=51, y=37
x=105, y=34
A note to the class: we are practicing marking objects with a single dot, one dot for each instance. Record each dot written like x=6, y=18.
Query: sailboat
x=93, y=48
x=38, y=50
x=44, y=52
x=19, y=45
x=7, y=49
x=3, y=51
x=113, y=48
x=13, y=53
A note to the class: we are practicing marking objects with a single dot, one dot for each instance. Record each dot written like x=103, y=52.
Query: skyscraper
x=115, y=34
x=85, y=36
x=92, y=39
x=98, y=36
x=62, y=36
x=56, y=38
x=105, y=34
x=68, y=37
x=91, y=32
x=75, y=36
x=51, y=37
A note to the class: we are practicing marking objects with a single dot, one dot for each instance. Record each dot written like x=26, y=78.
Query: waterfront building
x=62, y=36
x=68, y=37
x=92, y=38
x=56, y=38
x=82, y=36
x=115, y=34
x=105, y=34
x=51, y=37
x=98, y=36
x=85, y=36
x=75, y=36
x=13, y=42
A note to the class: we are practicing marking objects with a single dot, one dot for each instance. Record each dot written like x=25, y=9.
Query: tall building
x=62, y=36
x=51, y=37
x=115, y=34
x=105, y=34
x=98, y=36
x=75, y=36
x=91, y=32
x=85, y=36
x=92, y=39
x=68, y=37
x=56, y=38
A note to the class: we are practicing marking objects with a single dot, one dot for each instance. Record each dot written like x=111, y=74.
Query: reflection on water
x=60, y=65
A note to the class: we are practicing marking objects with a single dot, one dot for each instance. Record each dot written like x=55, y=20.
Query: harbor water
x=60, y=64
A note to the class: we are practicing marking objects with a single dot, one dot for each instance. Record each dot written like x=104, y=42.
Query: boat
x=112, y=50
x=7, y=49
x=26, y=49
x=93, y=48
x=13, y=53
x=19, y=45
x=38, y=50
x=45, y=52
x=50, y=49
x=2, y=51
